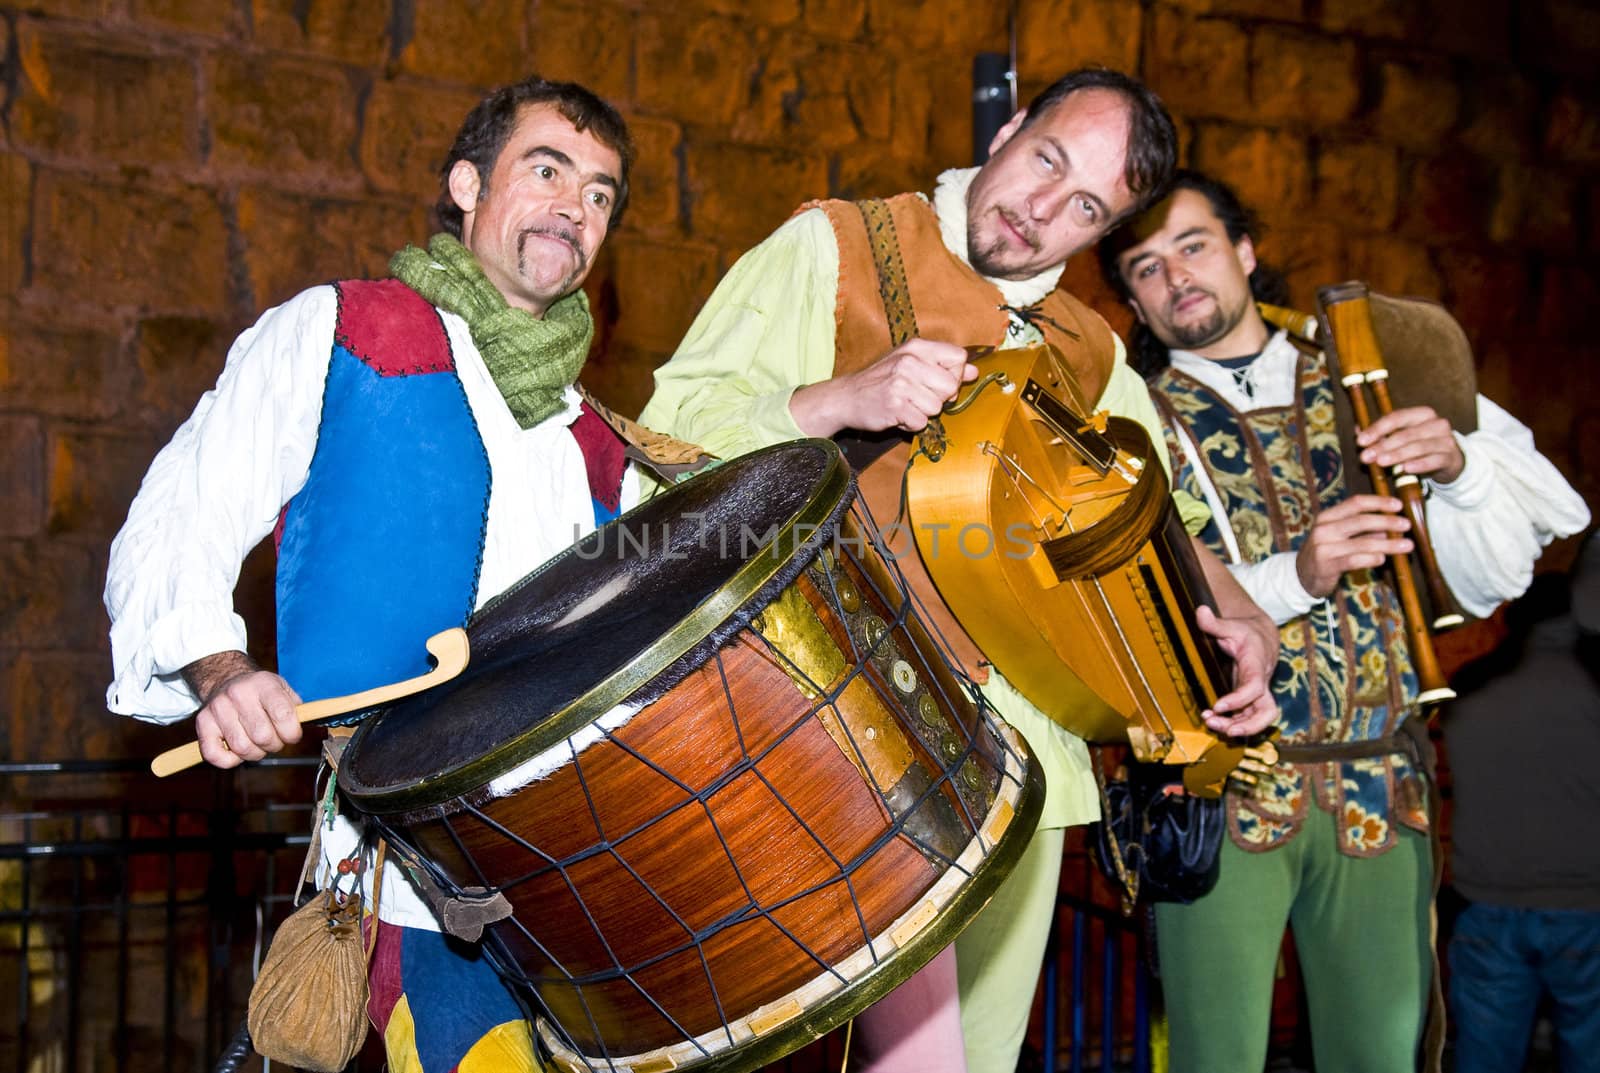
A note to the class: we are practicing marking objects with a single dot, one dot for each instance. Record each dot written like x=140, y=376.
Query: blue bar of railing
x=1078, y=995
x=223, y=828
x=120, y=1044
x=75, y=951
x=1141, y=1008
x=1108, y=998
x=25, y=948
x=169, y=1020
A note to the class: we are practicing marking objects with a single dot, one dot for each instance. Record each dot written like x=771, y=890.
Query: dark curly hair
x=1147, y=354
x=488, y=126
x=1152, y=139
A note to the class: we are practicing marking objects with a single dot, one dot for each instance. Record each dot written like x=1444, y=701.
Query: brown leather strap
x=1399, y=743
x=861, y=449
x=377, y=895
x=892, y=285
x=1127, y=878
x=461, y=911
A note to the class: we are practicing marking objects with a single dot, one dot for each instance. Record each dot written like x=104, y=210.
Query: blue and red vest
x=383, y=545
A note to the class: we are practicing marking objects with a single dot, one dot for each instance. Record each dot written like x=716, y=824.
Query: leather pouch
x=1157, y=845
x=308, y=1007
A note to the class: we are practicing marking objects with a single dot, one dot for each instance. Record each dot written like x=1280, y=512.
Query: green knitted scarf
x=532, y=359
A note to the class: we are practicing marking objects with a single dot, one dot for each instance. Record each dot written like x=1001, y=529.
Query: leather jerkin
x=942, y=298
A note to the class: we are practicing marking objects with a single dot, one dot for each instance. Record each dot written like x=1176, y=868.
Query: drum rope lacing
x=748, y=765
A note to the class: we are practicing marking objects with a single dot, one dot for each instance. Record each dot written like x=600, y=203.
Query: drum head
x=619, y=617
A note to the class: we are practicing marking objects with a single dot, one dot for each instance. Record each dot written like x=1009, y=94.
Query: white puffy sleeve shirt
x=216, y=490
x=1488, y=526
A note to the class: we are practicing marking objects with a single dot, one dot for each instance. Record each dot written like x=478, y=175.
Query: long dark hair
x=489, y=125
x=1147, y=354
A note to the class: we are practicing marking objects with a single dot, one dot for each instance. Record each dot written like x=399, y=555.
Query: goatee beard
x=571, y=279
x=986, y=260
x=1208, y=329
x=983, y=260
x=1200, y=333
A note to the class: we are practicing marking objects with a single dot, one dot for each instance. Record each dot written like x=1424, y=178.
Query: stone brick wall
x=169, y=168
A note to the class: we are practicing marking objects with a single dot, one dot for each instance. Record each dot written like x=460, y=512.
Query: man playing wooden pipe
x=795, y=341
x=419, y=445
x=1336, y=848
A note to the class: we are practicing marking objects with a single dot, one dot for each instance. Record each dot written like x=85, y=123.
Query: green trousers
x=1361, y=933
x=999, y=955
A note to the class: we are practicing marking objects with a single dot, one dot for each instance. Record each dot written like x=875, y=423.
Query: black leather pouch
x=1155, y=842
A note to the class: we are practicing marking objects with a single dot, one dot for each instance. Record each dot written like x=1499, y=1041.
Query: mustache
x=1017, y=224
x=1187, y=292
x=565, y=234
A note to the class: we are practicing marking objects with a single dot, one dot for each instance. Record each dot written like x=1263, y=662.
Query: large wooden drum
x=729, y=785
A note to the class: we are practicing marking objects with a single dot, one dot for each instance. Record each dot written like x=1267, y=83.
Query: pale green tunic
x=768, y=329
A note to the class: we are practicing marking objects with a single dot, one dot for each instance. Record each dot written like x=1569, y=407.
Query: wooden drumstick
x=449, y=648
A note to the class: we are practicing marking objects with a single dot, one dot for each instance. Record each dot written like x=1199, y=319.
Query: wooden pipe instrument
x=1303, y=326
x=1346, y=330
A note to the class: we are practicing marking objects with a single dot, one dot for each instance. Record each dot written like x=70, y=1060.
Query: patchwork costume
x=363, y=424
x=1337, y=850
x=805, y=306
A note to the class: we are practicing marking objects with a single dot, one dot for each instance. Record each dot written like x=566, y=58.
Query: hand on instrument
x=1360, y=532
x=1417, y=441
x=246, y=712
x=902, y=389
x=1250, y=707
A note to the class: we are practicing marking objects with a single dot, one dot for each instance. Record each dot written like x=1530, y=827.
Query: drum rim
x=814, y=1022
x=442, y=792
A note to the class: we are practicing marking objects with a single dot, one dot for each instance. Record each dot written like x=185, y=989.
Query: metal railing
x=131, y=912
x=1106, y=999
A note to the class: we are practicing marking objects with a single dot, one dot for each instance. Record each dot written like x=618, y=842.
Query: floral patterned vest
x=1344, y=673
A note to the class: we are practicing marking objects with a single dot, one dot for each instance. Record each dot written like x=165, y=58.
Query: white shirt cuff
x=1274, y=584
x=149, y=684
x=1472, y=485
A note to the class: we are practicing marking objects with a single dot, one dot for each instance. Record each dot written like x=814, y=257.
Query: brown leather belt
x=1410, y=741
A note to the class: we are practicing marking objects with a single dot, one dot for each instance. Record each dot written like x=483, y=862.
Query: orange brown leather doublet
x=953, y=304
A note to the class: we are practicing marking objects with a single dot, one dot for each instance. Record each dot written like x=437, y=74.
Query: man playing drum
x=419, y=445
x=789, y=345
x=1336, y=850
